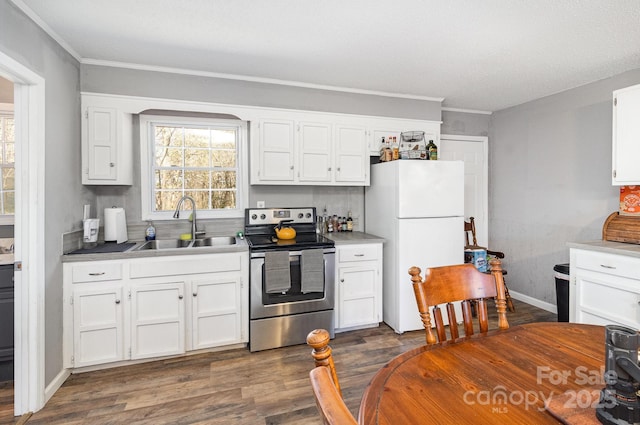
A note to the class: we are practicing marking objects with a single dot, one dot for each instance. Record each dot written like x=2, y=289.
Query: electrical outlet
x=260, y=204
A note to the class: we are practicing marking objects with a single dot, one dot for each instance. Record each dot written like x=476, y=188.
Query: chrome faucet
x=176, y=214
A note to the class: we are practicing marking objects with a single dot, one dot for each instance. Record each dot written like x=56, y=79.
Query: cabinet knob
x=180, y=297
x=291, y=167
x=195, y=294
x=117, y=301
x=342, y=280
x=112, y=164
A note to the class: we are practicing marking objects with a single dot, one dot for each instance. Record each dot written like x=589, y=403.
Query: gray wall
x=465, y=123
x=25, y=42
x=550, y=180
x=131, y=82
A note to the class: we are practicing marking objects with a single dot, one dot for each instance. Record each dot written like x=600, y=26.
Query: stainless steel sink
x=215, y=241
x=160, y=244
x=164, y=244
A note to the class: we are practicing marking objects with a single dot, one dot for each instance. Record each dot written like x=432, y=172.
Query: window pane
x=10, y=131
x=223, y=199
x=8, y=179
x=167, y=200
x=223, y=139
x=223, y=180
x=201, y=197
x=169, y=136
x=168, y=179
x=196, y=179
x=196, y=137
x=196, y=158
x=9, y=153
x=9, y=202
x=169, y=157
x=223, y=158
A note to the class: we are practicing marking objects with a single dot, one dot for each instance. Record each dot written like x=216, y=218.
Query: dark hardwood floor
x=230, y=387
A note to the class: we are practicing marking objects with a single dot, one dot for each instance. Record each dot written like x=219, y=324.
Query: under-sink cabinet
x=359, y=286
x=604, y=289
x=130, y=309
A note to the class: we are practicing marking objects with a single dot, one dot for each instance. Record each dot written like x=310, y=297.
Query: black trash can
x=562, y=291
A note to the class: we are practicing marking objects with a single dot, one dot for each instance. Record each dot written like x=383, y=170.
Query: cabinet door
x=351, y=155
x=98, y=324
x=314, y=145
x=101, y=143
x=216, y=311
x=357, y=295
x=276, y=150
x=157, y=320
x=626, y=136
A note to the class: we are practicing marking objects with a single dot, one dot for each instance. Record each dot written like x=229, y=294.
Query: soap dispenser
x=150, y=233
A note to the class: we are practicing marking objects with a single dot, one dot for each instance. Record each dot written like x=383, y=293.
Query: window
x=7, y=165
x=201, y=158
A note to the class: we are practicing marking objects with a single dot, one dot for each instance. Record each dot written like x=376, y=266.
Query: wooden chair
x=324, y=381
x=464, y=283
x=470, y=235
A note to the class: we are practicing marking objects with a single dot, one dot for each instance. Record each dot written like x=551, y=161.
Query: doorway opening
x=29, y=107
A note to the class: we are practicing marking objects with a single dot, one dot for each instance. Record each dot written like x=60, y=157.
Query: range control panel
x=261, y=216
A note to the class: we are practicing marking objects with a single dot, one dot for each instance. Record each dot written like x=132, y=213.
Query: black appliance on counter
x=284, y=308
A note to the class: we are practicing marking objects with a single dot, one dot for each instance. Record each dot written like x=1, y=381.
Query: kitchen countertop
x=239, y=246
x=618, y=248
x=347, y=238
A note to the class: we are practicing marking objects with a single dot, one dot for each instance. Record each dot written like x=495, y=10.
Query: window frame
x=147, y=141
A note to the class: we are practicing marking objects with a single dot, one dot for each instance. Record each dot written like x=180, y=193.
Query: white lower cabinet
x=216, y=311
x=359, y=286
x=157, y=319
x=605, y=289
x=98, y=326
x=153, y=307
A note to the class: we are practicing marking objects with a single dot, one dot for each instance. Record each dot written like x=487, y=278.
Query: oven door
x=264, y=305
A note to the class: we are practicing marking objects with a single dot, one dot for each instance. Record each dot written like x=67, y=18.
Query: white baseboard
x=534, y=302
x=55, y=384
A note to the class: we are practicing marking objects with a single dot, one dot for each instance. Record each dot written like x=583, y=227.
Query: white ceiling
x=476, y=54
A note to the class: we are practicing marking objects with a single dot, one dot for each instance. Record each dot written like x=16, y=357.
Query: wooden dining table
x=507, y=376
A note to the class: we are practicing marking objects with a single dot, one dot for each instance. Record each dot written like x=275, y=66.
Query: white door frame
x=29, y=231
x=485, y=148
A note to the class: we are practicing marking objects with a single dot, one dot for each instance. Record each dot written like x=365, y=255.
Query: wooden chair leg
x=510, y=305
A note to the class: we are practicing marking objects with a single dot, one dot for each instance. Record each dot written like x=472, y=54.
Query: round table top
x=500, y=377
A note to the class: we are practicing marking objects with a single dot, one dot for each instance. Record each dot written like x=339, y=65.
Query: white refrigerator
x=418, y=207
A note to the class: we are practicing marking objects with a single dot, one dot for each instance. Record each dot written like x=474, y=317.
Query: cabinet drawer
x=96, y=272
x=616, y=265
x=358, y=253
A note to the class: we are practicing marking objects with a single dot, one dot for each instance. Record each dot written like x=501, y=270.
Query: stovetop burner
x=260, y=226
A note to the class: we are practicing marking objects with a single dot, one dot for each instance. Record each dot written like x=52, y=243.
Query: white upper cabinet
x=107, y=145
x=626, y=136
x=276, y=151
x=322, y=149
x=315, y=141
x=310, y=150
x=351, y=159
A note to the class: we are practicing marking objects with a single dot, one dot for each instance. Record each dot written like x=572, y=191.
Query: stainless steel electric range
x=292, y=289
